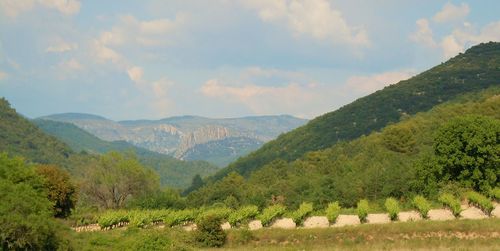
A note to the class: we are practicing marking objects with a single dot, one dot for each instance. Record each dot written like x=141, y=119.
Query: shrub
x=422, y=205
x=302, y=212
x=451, y=202
x=219, y=212
x=242, y=214
x=270, y=213
x=175, y=218
x=210, y=233
x=495, y=193
x=480, y=201
x=392, y=207
x=362, y=209
x=243, y=236
x=332, y=211
x=111, y=218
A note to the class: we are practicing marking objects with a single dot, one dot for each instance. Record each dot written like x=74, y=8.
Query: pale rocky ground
x=316, y=222
x=378, y=218
x=284, y=223
x=472, y=213
x=254, y=225
x=409, y=216
x=225, y=226
x=347, y=220
x=440, y=214
x=496, y=211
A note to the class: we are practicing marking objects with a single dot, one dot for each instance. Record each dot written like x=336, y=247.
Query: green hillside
x=476, y=69
x=374, y=167
x=173, y=172
x=19, y=137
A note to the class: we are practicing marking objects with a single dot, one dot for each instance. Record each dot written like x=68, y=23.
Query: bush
x=451, y=202
x=219, y=212
x=495, y=193
x=270, y=213
x=480, y=201
x=243, y=236
x=210, y=233
x=362, y=209
x=175, y=218
x=112, y=218
x=300, y=214
x=392, y=207
x=332, y=211
x=422, y=205
x=242, y=214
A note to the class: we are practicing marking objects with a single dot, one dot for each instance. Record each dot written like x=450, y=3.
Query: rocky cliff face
x=178, y=135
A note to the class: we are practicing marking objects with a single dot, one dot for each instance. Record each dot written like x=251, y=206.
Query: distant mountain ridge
x=176, y=136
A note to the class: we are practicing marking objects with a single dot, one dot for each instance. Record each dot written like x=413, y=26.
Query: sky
x=152, y=59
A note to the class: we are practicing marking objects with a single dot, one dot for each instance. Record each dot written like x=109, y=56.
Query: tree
x=26, y=221
x=115, y=178
x=209, y=232
x=468, y=151
x=61, y=191
x=196, y=183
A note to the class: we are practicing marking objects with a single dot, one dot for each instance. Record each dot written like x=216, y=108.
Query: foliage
x=451, y=202
x=362, y=210
x=242, y=214
x=209, y=232
x=468, y=151
x=115, y=178
x=61, y=190
x=474, y=70
x=26, y=221
x=361, y=168
x=270, y=213
x=218, y=212
x=112, y=218
x=480, y=201
x=332, y=211
x=174, y=218
x=399, y=139
x=392, y=207
x=302, y=212
x=164, y=198
x=495, y=193
x=19, y=137
x=422, y=205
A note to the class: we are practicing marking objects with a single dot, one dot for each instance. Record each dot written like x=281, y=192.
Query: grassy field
x=423, y=235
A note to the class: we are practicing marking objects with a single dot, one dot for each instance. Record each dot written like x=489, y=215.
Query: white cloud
x=369, y=84
x=423, y=34
x=292, y=98
x=3, y=75
x=12, y=8
x=71, y=64
x=135, y=74
x=451, y=47
x=451, y=12
x=315, y=18
x=61, y=46
x=259, y=72
x=134, y=32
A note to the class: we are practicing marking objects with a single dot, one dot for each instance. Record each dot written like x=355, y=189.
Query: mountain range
x=219, y=141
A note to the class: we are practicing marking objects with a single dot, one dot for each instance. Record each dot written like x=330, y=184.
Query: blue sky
x=223, y=58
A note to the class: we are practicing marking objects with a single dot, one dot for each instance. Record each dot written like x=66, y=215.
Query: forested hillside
x=19, y=137
x=399, y=161
x=173, y=172
x=476, y=69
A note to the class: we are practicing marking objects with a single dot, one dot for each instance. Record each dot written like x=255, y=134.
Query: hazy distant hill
x=188, y=137
x=476, y=69
x=19, y=137
x=173, y=172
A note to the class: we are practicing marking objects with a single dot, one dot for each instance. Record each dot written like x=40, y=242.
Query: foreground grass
x=423, y=235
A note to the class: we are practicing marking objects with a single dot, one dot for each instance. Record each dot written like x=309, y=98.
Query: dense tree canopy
x=115, y=178
x=61, y=190
x=468, y=151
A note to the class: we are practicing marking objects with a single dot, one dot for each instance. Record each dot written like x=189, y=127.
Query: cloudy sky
x=223, y=58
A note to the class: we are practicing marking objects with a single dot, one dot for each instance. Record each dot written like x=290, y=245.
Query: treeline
x=454, y=146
